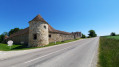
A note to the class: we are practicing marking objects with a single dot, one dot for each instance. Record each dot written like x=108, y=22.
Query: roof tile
x=39, y=18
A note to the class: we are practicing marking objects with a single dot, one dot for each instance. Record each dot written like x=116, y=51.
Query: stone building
x=40, y=33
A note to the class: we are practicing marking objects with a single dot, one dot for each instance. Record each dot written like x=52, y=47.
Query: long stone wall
x=52, y=38
x=59, y=37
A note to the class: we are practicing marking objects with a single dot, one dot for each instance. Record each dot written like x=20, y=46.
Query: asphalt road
x=80, y=53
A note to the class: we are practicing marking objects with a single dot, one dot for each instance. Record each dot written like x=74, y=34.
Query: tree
x=5, y=33
x=92, y=33
x=13, y=31
x=2, y=38
x=83, y=36
x=113, y=34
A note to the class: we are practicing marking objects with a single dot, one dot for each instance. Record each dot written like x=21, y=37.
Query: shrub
x=112, y=34
x=89, y=37
x=83, y=36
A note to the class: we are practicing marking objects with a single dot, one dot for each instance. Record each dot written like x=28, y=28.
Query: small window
x=34, y=36
x=45, y=27
x=50, y=36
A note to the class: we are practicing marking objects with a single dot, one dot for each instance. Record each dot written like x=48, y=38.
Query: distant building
x=40, y=33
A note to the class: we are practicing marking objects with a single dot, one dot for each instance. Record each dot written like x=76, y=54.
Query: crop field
x=109, y=51
x=113, y=37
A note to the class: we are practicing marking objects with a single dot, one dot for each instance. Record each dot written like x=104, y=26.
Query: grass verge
x=109, y=51
x=5, y=47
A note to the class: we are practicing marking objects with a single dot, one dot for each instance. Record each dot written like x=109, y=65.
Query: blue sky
x=66, y=15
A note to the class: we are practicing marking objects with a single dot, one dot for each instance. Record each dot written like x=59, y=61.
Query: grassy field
x=4, y=47
x=109, y=51
x=113, y=37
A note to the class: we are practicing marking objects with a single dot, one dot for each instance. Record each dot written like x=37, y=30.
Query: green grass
x=4, y=47
x=113, y=37
x=109, y=51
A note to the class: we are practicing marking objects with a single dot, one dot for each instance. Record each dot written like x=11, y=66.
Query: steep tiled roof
x=39, y=18
x=52, y=30
x=26, y=30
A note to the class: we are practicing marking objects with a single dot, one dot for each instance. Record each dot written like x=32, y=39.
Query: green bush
x=83, y=36
x=89, y=37
x=112, y=34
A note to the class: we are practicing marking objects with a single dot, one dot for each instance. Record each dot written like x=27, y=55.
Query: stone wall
x=43, y=36
x=20, y=39
x=40, y=29
x=77, y=35
x=59, y=37
x=52, y=38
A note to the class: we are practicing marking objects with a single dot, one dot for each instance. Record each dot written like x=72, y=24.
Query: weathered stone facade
x=40, y=29
x=40, y=33
x=20, y=37
x=59, y=37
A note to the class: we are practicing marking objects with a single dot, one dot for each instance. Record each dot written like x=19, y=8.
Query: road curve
x=80, y=53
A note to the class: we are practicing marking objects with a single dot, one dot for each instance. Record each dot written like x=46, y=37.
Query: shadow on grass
x=19, y=47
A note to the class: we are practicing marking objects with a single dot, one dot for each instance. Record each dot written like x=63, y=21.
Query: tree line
x=92, y=33
x=5, y=34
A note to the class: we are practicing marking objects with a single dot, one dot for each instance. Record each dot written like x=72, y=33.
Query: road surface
x=80, y=53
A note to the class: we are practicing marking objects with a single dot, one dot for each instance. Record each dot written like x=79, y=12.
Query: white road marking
x=51, y=54
x=47, y=55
